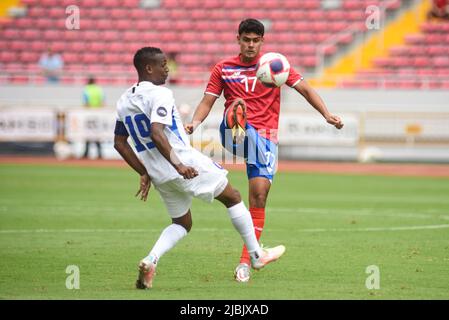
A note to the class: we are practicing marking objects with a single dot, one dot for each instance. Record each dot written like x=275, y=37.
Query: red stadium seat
x=49, y=3
x=88, y=24
x=89, y=4
x=96, y=46
x=95, y=12
x=23, y=23
x=111, y=31
x=420, y=62
x=130, y=36
x=8, y=57
x=104, y=24
x=171, y=4
x=11, y=34
x=111, y=3
x=29, y=57
x=36, y=12
x=129, y=3
x=16, y=45
x=71, y=57
x=441, y=62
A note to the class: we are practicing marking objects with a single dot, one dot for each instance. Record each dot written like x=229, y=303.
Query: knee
x=236, y=197
x=185, y=222
x=188, y=226
x=259, y=199
x=233, y=198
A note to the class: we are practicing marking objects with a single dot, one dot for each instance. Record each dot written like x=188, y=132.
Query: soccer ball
x=273, y=69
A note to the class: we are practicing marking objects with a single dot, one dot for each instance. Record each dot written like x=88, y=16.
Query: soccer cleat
x=147, y=270
x=242, y=273
x=235, y=119
x=268, y=255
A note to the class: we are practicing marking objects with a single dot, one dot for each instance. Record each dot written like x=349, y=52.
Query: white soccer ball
x=273, y=69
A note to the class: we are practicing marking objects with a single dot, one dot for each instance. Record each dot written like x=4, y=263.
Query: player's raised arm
x=201, y=112
x=315, y=100
x=163, y=146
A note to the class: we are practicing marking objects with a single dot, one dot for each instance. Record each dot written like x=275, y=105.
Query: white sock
x=167, y=240
x=241, y=219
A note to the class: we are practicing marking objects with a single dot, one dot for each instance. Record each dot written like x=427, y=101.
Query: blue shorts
x=260, y=154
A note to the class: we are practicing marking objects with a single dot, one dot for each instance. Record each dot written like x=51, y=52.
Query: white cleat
x=242, y=273
x=268, y=255
x=147, y=271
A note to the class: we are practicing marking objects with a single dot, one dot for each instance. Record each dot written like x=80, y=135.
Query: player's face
x=159, y=70
x=250, y=44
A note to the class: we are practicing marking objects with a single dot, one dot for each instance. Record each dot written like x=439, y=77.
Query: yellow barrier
x=5, y=5
x=376, y=46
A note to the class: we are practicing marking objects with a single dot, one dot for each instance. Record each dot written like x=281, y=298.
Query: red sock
x=258, y=216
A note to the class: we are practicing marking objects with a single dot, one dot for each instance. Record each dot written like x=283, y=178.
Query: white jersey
x=143, y=104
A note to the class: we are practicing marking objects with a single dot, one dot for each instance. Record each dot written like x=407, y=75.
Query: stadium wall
x=381, y=125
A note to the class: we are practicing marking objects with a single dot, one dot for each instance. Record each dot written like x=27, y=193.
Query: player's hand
x=189, y=128
x=186, y=172
x=145, y=184
x=335, y=121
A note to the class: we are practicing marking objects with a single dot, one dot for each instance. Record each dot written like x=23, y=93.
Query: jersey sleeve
x=215, y=85
x=162, y=109
x=120, y=128
x=294, y=78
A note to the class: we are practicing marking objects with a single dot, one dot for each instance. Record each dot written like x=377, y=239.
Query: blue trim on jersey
x=150, y=145
x=120, y=129
x=232, y=80
x=260, y=153
x=174, y=128
x=239, y=67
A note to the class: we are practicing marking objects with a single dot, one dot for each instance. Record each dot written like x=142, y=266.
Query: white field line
x=381, y=212
x=372, y=229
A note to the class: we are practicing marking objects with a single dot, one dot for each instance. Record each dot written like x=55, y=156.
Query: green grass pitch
x=334, y=227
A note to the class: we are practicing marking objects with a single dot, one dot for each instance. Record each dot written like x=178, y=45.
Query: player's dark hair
x=251, y=25
x=145, y=56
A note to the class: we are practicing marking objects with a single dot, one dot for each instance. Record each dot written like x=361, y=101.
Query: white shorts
x=177, y=194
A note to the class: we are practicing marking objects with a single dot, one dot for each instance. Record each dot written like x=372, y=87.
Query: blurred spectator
x=172, y=67
x=330, y=4
x=93, y=98
x=150, y=4
x=51, y=64
x=439, y=10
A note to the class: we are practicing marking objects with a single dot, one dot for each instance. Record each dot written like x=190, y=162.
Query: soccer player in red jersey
x=235, y=77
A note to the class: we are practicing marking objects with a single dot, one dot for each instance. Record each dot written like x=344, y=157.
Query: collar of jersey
x=253, y=62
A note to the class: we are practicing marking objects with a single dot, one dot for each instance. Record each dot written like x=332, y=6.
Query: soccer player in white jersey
x=148, y=114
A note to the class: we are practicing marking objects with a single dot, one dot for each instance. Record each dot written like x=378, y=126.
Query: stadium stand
x=201, y=32
x=421, y=63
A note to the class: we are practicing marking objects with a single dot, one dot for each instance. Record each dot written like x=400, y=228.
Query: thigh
x=261, y=156
x=178, y=203
x=210, y=182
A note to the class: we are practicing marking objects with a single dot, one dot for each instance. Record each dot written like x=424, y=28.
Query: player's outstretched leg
x=167, y=240
x=241, y=219
x=258, y=193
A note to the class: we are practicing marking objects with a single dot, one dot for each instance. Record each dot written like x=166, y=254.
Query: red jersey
x=237, y=79
x=441, y=4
